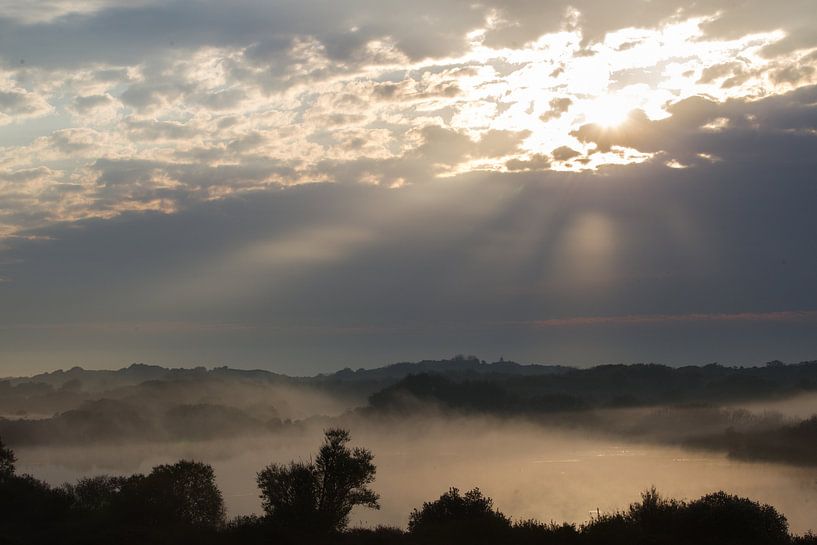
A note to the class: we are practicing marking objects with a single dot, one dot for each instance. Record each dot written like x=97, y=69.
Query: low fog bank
x=260, y=394
x=693, y=407
x=548, y=474
x=545, y=442
x=797, y=407
x=192, y=408
x=461, y=382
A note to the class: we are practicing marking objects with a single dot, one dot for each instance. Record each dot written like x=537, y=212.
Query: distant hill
x=680, y=405
x=603, y=386
x=93, y=380
x=459, y=366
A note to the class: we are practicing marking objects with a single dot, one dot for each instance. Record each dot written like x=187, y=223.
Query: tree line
x=310, y=502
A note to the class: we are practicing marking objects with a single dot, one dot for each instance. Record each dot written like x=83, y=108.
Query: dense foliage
x=318, y=496
x=456, y=517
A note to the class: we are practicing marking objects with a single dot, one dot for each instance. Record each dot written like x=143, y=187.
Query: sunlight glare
x=609, y=111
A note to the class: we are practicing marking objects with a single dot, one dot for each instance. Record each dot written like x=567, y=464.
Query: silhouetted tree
x=319, y=496
x=456, y=518
x=184, y=493
x=717, y=518
x=654, y=513
x=289, y=495
x=28, y=502
x=24, y=499
x=95, y=495
x=807, y=539
x=344, y=475
x=724, y=518
x=7, y=461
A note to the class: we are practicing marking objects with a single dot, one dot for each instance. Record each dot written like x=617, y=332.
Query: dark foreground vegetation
x=310, y=503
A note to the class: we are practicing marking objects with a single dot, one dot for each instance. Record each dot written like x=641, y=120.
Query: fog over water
x=529, y=470
x=795, y=407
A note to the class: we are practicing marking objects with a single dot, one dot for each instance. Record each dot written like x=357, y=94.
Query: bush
x=455, y=518
x=533, y=532
x=727, y=519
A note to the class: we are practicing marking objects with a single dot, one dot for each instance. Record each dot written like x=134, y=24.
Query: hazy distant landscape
x=546, y=442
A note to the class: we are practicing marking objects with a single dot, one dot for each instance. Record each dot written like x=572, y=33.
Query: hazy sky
x=304, y=185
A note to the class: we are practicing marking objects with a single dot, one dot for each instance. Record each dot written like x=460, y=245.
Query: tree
x=29, y=503
x=7, y=461
x=654, y=513
x=184, y=493
x=456, y=518
x=289, y=494
x=343, y=475
x=725, y=518
x=320, y=495
x=95, y=494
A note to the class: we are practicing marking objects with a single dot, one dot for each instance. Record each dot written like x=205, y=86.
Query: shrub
x=455, y=518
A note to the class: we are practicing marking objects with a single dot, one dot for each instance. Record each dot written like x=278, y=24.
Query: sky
x=303, y=186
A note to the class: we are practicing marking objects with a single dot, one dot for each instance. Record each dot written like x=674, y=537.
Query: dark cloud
x=16, y=103
x=718, y=71
x=13, y=102
x=537, y=162
x=565, y=153
x=129, y=34
x=154, y=130
x=779, y=128
x=558, y=106
x=144, y=96
x=70, y=141
x=85, y=104
x=793, y=74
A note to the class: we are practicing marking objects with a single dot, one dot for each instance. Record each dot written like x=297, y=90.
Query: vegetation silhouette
x=7, y=461
x=180, y=494
x=309, y=503
x=469, y=517
x=317, y=497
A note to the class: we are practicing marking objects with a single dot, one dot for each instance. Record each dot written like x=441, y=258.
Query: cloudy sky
x=306, y=185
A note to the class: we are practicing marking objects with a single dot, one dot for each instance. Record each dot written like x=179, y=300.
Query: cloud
x=782, y=316
x=18, y=104
x=565, y=153
x=152, y=130
x=86, y=104
x=48, y=10
x=698, y=128
x=536, y=162
x=441, y=264
x=558, y=106
x=525, y=143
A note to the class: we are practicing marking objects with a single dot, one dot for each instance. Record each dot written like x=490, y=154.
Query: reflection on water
x=529, y=471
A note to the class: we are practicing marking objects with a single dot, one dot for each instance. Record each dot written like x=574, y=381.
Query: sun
x=608, y=111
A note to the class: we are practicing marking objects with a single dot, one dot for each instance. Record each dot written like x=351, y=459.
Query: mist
x=530, y=471
x=548, y=443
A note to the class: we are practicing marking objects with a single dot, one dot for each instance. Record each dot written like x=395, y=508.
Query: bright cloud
x=201, y=121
